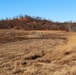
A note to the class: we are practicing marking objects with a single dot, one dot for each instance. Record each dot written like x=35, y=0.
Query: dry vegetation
x=35, y=23
x=37, y=52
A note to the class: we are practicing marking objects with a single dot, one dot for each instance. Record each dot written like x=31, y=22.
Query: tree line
x=35, y=23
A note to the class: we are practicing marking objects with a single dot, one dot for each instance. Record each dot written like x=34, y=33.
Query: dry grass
x=37, y=52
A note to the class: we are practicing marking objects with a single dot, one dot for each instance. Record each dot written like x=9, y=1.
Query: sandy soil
x=37, y=52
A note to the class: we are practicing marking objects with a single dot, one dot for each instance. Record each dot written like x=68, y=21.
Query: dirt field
x=37, y=52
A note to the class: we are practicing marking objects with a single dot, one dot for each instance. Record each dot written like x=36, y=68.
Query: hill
x=35, y=23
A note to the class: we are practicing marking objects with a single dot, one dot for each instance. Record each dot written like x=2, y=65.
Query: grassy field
x=37, y=52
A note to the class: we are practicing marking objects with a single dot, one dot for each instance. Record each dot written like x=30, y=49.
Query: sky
x=56, y=10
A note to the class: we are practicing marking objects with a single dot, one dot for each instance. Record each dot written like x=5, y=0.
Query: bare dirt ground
x=37, y=52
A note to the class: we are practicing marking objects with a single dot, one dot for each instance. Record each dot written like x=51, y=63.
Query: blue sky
x=56, y=10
